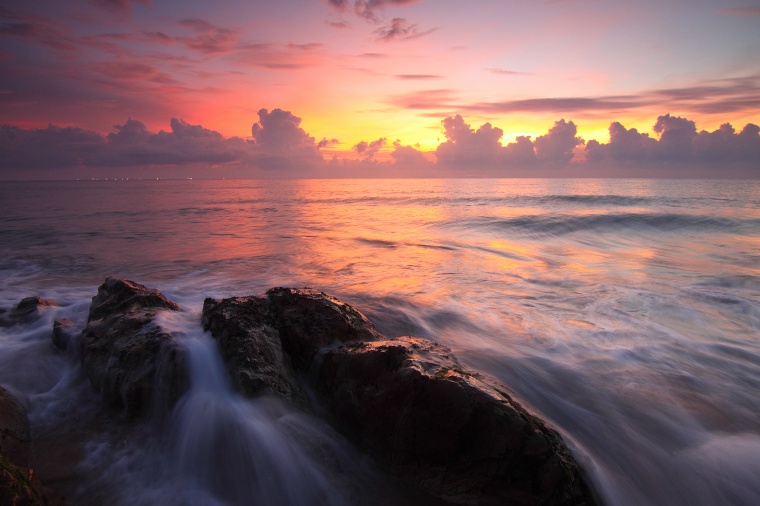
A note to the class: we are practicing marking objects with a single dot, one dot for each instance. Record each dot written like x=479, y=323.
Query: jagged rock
x=62, y=335
x=406, y=401
x=309, y=320
x=250, y=346
x=264, y=338
x=132, y=361
x=410, y=403
x=18, y=484
x=27, y=310
x=14, y=429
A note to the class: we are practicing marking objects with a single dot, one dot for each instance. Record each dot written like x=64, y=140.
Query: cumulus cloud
x=558, y=144
x=53, y=147
x=369, y=149
x=278, y=143
x=624, y=145
x=678, y=142
x=409, y=157
x=281, y=141
x=465, y=147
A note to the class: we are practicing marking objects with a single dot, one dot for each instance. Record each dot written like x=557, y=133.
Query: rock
x=62, y=335
x=27, y=310
x=14, y=429
x=18, y=484
x=309, y=320
x=132, y=361
x=409, y=403
x=266, y=340
x=250, y=346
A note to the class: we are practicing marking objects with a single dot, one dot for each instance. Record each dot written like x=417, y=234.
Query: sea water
x=625, y=312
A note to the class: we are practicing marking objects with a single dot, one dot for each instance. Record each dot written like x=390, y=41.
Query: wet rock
x=14, y=429
x=26, y=311
x=127, y=356
x=309, y=320
x=62, y=333
x=266, y=340
x=406, y=401
x=250, y=346
x=410, y=403
x=18, y=484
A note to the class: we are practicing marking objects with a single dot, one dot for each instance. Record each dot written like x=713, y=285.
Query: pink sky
x=355, y=72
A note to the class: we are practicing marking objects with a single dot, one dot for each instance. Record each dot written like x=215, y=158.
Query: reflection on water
x=626, y=311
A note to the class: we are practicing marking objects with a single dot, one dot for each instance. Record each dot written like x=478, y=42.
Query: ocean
x=626, y=312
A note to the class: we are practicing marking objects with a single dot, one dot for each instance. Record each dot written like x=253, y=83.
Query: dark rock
x=19, y=484
x=264, y=339
x=132, y=361
x=62, y=334
x=14, y=429
x=250, y=346
x=408, y=402
x=309, y=320
x=27, y=310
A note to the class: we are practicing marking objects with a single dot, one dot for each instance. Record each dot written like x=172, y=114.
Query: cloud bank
x=280, y=147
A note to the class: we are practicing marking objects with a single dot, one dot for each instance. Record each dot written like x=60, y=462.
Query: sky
x=368, y=88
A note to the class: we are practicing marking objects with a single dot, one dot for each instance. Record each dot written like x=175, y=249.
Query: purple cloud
x=400, y=29
x=556, y=147
x=369, y=149
x=417, y=77
x=679, y=143
x=120, y=5
x=465, y=147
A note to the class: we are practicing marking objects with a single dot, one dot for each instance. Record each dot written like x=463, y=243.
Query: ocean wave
x=562, y=224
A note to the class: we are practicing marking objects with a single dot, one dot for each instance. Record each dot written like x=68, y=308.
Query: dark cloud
x=556, y=147
x=338, y=23
x=676, y=135
x=209, y=38
x=278, y=143
x=624, y=145
x=560, y=105
x=467, y=148
x=400, y=29
x=281, y=147
x=715, y=97
x=408, y=157
x=120, y=5
x=417, y=77
x=325, y=142
x=281, y=142
x=53, y=147
x=504, y=72
x=338, y=4
x=369, y=149
x=36, y=29
x=440, y=99
x=369, y=9
x=679, y=142
x=742, y=11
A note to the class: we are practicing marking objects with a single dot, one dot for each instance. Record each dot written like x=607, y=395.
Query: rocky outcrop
x=129, y=358
x=406, y=401
x=411, y=404
x=249, y=343
x=14, y=429
x=26, y=311
x=309, y=320
x=266, y=340
x=18, y=484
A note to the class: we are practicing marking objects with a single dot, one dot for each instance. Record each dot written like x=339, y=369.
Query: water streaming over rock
x=625, y=311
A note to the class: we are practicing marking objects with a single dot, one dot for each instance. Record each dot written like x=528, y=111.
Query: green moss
x=24, y=486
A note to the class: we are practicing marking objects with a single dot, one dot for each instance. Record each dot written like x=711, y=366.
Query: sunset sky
x=355, y=72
